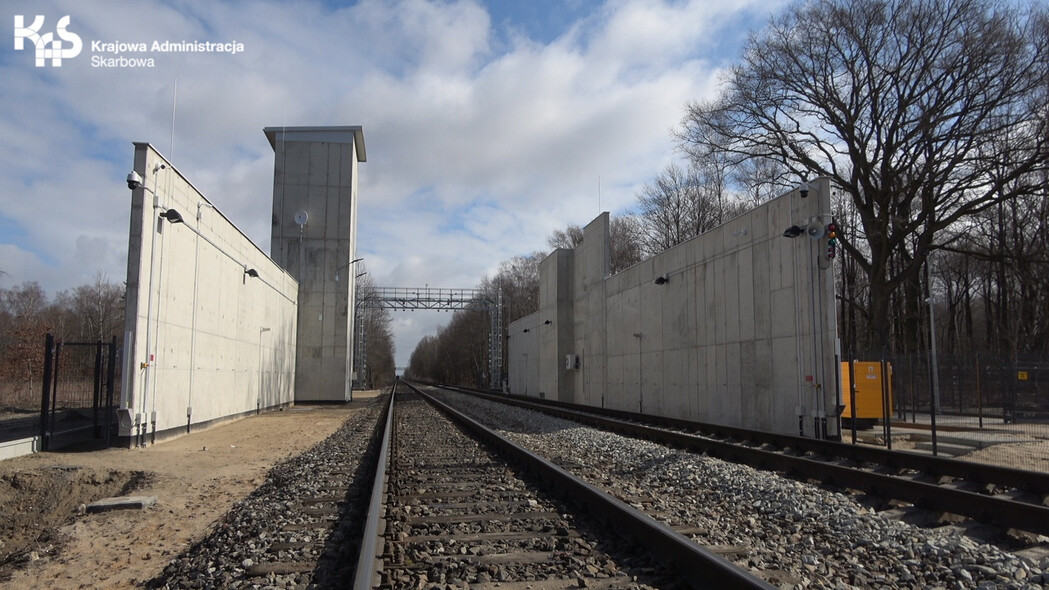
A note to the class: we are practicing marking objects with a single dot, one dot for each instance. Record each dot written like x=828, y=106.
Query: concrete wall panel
x=731, y=337
x=745, y=279
x=195, y=347
x=676, y=371
x=654, y=386
x=762, y=295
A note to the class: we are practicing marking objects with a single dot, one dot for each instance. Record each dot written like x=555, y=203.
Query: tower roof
x=345, y=134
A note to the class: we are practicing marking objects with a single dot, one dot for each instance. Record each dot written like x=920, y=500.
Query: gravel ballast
x=297, y=530
x=763, y=521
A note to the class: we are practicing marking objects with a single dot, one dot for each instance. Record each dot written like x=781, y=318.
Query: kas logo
x=47, y=47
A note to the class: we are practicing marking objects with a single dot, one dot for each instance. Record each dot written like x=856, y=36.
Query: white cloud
x=478, y=145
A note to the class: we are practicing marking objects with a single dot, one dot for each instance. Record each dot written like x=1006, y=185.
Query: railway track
x=1006, y=497
x=454, y=511
x=794, y=533
x=447, y=510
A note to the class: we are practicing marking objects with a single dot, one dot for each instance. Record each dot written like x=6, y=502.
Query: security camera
x=803, y=190
x=134, y=181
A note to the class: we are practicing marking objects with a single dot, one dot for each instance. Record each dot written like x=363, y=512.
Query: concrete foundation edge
x=171, y=433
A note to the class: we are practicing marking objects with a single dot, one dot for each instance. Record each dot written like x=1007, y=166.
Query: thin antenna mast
x=171, y=140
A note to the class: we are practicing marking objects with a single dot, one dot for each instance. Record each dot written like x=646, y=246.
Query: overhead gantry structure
x=441, y=299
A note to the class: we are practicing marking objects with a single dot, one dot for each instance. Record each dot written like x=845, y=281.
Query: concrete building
x=314, y=237
x=735, y=327
x=210, y=318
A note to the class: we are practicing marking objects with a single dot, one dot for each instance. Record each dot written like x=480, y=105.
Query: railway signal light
x=832, y=240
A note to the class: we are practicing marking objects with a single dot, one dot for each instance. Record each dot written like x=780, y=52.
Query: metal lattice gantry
x=444, y=299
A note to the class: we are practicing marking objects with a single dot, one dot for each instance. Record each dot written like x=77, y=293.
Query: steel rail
x=1021, y=479
x=1030, y=481
x=982, y=507
x=696, y=566
x=369, y=563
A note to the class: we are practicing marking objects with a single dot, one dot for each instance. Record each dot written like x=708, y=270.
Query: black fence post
x=852, y=394
x=932, y=409
x=96, y=394
x=979, y=392
x=54, y=390
x=111, y=372
x=886, y=404
x=45, y=395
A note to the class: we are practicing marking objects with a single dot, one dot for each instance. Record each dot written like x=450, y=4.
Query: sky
x=487, y=125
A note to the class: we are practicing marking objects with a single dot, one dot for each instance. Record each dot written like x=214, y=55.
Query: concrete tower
x=314, y=238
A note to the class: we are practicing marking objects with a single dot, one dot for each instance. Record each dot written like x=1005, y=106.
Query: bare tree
x=99, y=308
x=424, y=362
x=666, y=209
x=923, y=112
x=518, y=278
x=378, y=359
x=759, y=179
x=24, y=302
x=26, y=322
x=570, y=237
x=624, y=241
x=679, y=205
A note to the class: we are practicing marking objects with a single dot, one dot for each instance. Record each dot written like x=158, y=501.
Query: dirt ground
x=47, y=541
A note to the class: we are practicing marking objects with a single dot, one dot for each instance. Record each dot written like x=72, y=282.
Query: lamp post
x=258, y=396
x=354, y=261
x=932, y=337
x=193, y=321
x=640, y=377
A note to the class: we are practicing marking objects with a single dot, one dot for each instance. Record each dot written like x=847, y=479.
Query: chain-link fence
x=988, y=409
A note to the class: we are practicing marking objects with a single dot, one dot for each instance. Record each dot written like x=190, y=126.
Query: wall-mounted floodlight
x=526, y=329
x=172, y=216
x=251, y=272
x=663, y=279
x=793, y=232
x=546, y=323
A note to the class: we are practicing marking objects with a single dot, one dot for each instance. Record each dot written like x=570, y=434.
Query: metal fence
x=70, y=398
x=972, y=407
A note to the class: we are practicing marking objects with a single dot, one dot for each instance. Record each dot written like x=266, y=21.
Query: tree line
x=89, y=313
x=374, y=361
x=932, y=121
